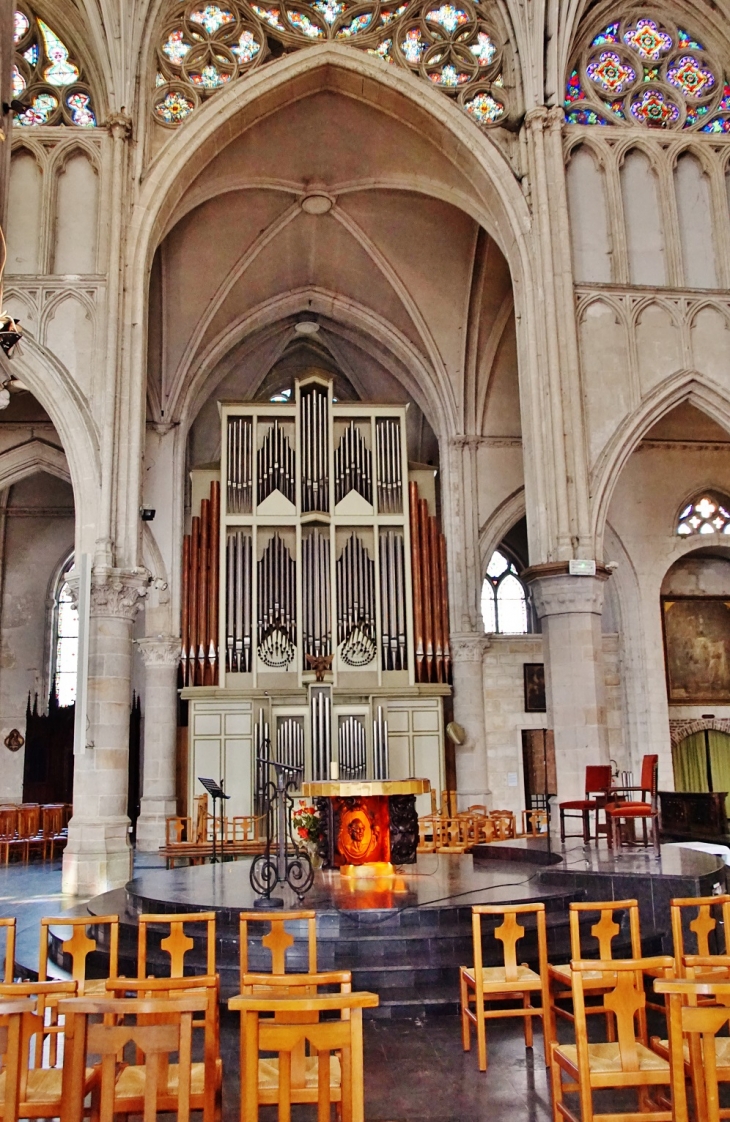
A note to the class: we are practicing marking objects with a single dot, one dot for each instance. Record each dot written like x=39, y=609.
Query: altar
x=368, y=826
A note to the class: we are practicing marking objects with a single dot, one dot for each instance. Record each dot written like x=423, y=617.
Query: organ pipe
x=199, y=590
x=430, y=593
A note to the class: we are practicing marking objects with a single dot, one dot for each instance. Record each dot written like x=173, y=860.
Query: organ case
x=328, y=564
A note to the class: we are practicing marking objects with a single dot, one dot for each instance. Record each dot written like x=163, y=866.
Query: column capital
x=159, y=650
x=118, y=593
x=555, y=592
x=468, y=646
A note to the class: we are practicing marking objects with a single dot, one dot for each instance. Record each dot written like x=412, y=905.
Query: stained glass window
x=66, y=645
x=504, y=598
x=709, y=513
x=642, y=71
x=205, y=46
x=45, y=78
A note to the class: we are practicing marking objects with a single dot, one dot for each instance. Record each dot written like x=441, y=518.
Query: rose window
x=45, y=79
x=641, y=70
x=204, y=47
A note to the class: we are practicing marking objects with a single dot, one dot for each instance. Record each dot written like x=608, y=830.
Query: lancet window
x=65, y=642
x=45, y=78
x=204, y=47
x=647, y=71
x=709, y=513
x=504, y=598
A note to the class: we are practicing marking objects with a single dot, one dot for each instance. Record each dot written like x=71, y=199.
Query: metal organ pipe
x=315, y=450
x=185, y=612
x=381, y=764
x=239, y=481
x=430, y=593
x=199, y=589
x=353, y=465
x=238, y=602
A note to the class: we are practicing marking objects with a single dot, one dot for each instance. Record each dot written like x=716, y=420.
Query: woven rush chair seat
x=492, y=974
x=43, y=1089
x=606, y=1058
x=269, y=1081
x=131, y=1083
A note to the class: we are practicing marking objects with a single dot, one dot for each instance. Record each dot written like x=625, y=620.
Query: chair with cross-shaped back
x=79, y=947
x=7, y=923
x=177, y=942
x=605, y=930
x=159, y=1029
x=14, y=1015
x=512, y=981
x=698, y=1012
x=626, y=1063
x=290, y=1024
x=277, y=941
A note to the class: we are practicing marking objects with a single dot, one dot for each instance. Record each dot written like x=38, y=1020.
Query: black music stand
x=215, y=790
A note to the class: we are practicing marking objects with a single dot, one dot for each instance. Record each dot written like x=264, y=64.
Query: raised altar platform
x=406, y=936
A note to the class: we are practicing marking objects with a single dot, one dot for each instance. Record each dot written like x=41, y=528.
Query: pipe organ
x=314, y=600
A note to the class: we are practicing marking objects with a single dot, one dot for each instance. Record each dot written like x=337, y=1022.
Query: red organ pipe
x=430, y=593
x=199, y=591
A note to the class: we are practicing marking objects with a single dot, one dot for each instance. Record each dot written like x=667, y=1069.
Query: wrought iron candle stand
x=284, y=861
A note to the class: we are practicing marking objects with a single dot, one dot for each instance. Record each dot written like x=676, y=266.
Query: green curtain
x=720, y=762
x=690, y=764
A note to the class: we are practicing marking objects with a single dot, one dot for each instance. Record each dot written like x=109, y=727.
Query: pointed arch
x=684, y=385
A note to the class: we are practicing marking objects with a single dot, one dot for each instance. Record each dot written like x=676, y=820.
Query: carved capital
x=160, y=650
x=118, y=593
x=468, y=646
x=559, y=594
x=119, y=125
x=536, y=119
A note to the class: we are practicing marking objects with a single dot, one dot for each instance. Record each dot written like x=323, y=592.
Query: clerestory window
x=504, y=598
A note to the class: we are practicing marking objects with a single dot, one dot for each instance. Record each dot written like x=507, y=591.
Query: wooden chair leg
x=586, y=827
x=556, y=1084
x=527, y=1004
x=465, y=1022
x=562, y=825
x=481, y=1032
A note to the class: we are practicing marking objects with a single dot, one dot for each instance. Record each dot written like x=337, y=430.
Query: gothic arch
x=27, y=459
x=499, y=523
x=684, y=385
x=49, y=381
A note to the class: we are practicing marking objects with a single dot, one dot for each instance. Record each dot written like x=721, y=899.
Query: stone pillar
x=472, y=778
x=570, y=609
x=161, y=656
x=98, y=856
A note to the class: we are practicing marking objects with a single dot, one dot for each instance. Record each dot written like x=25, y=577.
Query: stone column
x=570, y=609
x=467, y=655
x=98, y=856
x=161, y=656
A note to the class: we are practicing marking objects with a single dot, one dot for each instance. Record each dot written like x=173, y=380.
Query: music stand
x=215, y=790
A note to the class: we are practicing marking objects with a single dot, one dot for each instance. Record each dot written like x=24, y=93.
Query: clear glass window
x=66, y=646
x=504, y=598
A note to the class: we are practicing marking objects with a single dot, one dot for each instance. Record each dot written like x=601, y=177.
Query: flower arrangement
x=307, y=822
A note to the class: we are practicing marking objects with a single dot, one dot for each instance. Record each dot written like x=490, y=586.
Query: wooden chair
x=277, y=940
x=45, y=997
x=206, y=1076
x=453, y=835
x=597, y=783
x=177, y=943
x=52, y=829
x=30, y=834
x=504, y=824
x=620, y=810
x=79, y=946
x=595, y=984
x=534, y=823
x=449, y=805
x=9, y=841
x=8, y=923
x=166, y=1086
x=510, y=982
x=693, y=1028
x=265, y=1080
x=428, y=833
x=703, y=925
x=13, y=1015
x=628, y=1062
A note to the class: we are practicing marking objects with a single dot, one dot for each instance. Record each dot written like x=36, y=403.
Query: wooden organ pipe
x=199, y=593
x=430, y=593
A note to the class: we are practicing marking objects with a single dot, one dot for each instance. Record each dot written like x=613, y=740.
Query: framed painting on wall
x=535, y=687
x=697, y=649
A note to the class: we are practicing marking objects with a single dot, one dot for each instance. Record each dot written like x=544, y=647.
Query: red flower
x=303, y=832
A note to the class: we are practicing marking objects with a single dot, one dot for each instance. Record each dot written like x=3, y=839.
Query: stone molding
x=118, y=593
x=556, y=593
x=680, y=728
x=468, y=646
x=159, y=650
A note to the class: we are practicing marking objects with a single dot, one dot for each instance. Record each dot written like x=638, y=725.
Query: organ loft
x=315, y=625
